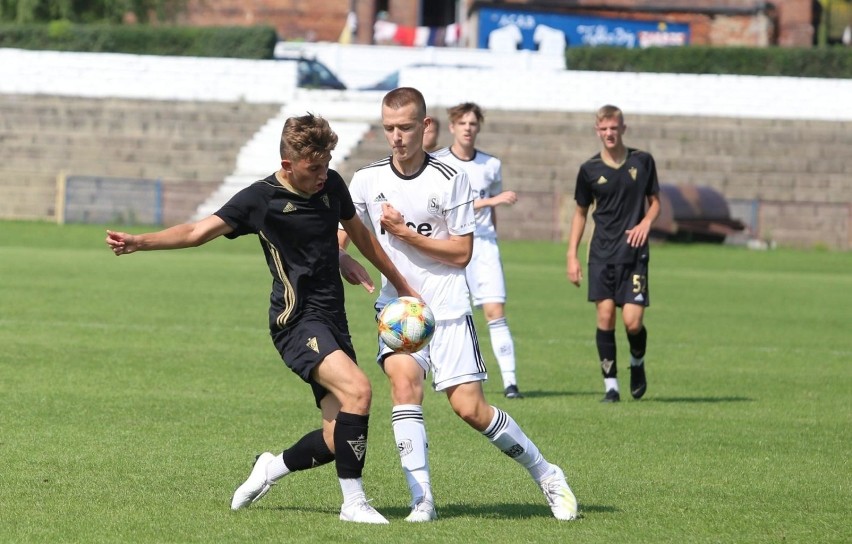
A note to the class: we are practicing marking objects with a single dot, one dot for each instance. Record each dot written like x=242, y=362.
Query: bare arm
x=638, y=235
x=351, y=270
x=453, y=251
x=176, y=237
x=506, y=198
x=578, y=225
x=372, y=250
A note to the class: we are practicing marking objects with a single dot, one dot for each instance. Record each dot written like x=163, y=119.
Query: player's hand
x=121, y=243
x=637, y=236
x=354, y=273
x=575, y=271
x=391, y=220
x=506, y=197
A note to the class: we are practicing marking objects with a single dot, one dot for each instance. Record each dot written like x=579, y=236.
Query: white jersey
x=486, y=180
x=435, y=202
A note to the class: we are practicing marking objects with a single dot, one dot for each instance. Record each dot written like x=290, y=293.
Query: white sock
x=504, y=350
x=409, y=431
x=353, y=489
x=276, y=469
x=610, y=383
x=508, y=437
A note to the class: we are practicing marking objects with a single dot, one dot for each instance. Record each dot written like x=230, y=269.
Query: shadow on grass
x=531, y=394
x=450, y=511
x=708, y=400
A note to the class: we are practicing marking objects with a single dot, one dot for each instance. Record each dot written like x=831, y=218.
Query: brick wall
x=311, y=20
x=323, y=20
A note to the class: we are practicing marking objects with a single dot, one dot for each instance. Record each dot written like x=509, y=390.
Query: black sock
x=606, y=351
x=309, y=452
x=350, y=444
x=638, y=342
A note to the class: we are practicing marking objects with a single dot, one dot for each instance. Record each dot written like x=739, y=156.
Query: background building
x=710, y=22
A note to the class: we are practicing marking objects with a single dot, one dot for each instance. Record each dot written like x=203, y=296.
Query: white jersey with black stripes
x=436, y=202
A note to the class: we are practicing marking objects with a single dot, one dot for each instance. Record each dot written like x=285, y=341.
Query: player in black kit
x=295, y=214
x=618, y=181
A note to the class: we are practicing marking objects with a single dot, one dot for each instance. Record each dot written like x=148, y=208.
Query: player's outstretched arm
x=453, y=251
x=176, y=237
x=372, y=250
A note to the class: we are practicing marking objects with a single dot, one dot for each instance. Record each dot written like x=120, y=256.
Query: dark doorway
x=437, y=12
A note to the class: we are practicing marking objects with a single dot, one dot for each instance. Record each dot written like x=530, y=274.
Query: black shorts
x=306, y=343
x=624, y=283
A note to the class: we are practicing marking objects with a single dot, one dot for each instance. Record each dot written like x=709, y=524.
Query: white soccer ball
x=406, y=324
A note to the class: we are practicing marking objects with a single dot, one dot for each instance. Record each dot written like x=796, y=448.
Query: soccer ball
x=406, y=324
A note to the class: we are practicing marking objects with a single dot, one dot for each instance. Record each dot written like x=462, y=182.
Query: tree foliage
x=89, y=11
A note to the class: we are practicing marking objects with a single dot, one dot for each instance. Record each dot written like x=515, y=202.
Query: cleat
x=638, y=384
x=423, y=510
x=360, y=511
x=256, y=486
x=512, y=392
x=611, y=396
x=559, y=496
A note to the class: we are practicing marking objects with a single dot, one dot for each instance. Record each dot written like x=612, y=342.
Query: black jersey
x=619, y=195
x=299, y=238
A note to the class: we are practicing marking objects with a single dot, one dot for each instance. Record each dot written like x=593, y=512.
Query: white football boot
x=561, y=499
x=256, y=486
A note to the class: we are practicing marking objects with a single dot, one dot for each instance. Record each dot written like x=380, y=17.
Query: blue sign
x=506, y=30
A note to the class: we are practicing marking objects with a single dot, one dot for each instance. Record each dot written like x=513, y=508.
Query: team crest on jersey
x=601, y=180
x=633, y=171
x=289, y=208
x=313, y=344
x=327, y=202
x=434, y=205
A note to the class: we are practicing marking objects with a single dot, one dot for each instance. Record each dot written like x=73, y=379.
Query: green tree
x=89, y=11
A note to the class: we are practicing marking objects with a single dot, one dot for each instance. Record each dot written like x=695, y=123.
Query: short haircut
x=609, y=112
x=457, y=112
x=307, y=137
x=403, y=96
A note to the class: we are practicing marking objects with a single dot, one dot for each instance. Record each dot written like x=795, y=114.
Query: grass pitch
x=137, y=390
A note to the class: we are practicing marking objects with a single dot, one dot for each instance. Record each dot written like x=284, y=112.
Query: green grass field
x=137, y=390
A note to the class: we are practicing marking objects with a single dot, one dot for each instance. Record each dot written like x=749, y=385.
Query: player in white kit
x=422, y=213
x=485, y=271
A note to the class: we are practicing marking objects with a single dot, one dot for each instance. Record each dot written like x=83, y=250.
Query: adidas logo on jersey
x=381, y=198
x=602, y=180
x=289, y=208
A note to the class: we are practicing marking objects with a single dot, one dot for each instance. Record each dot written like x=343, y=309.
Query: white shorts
x=453, y=355
x=484, y=273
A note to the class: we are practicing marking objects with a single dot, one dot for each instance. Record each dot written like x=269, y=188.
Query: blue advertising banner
x=510, y=30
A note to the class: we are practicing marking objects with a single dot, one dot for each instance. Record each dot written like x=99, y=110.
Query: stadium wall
x=812, y=206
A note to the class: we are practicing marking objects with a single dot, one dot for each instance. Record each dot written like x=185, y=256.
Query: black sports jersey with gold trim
x=299, y=240
x=619, y=195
